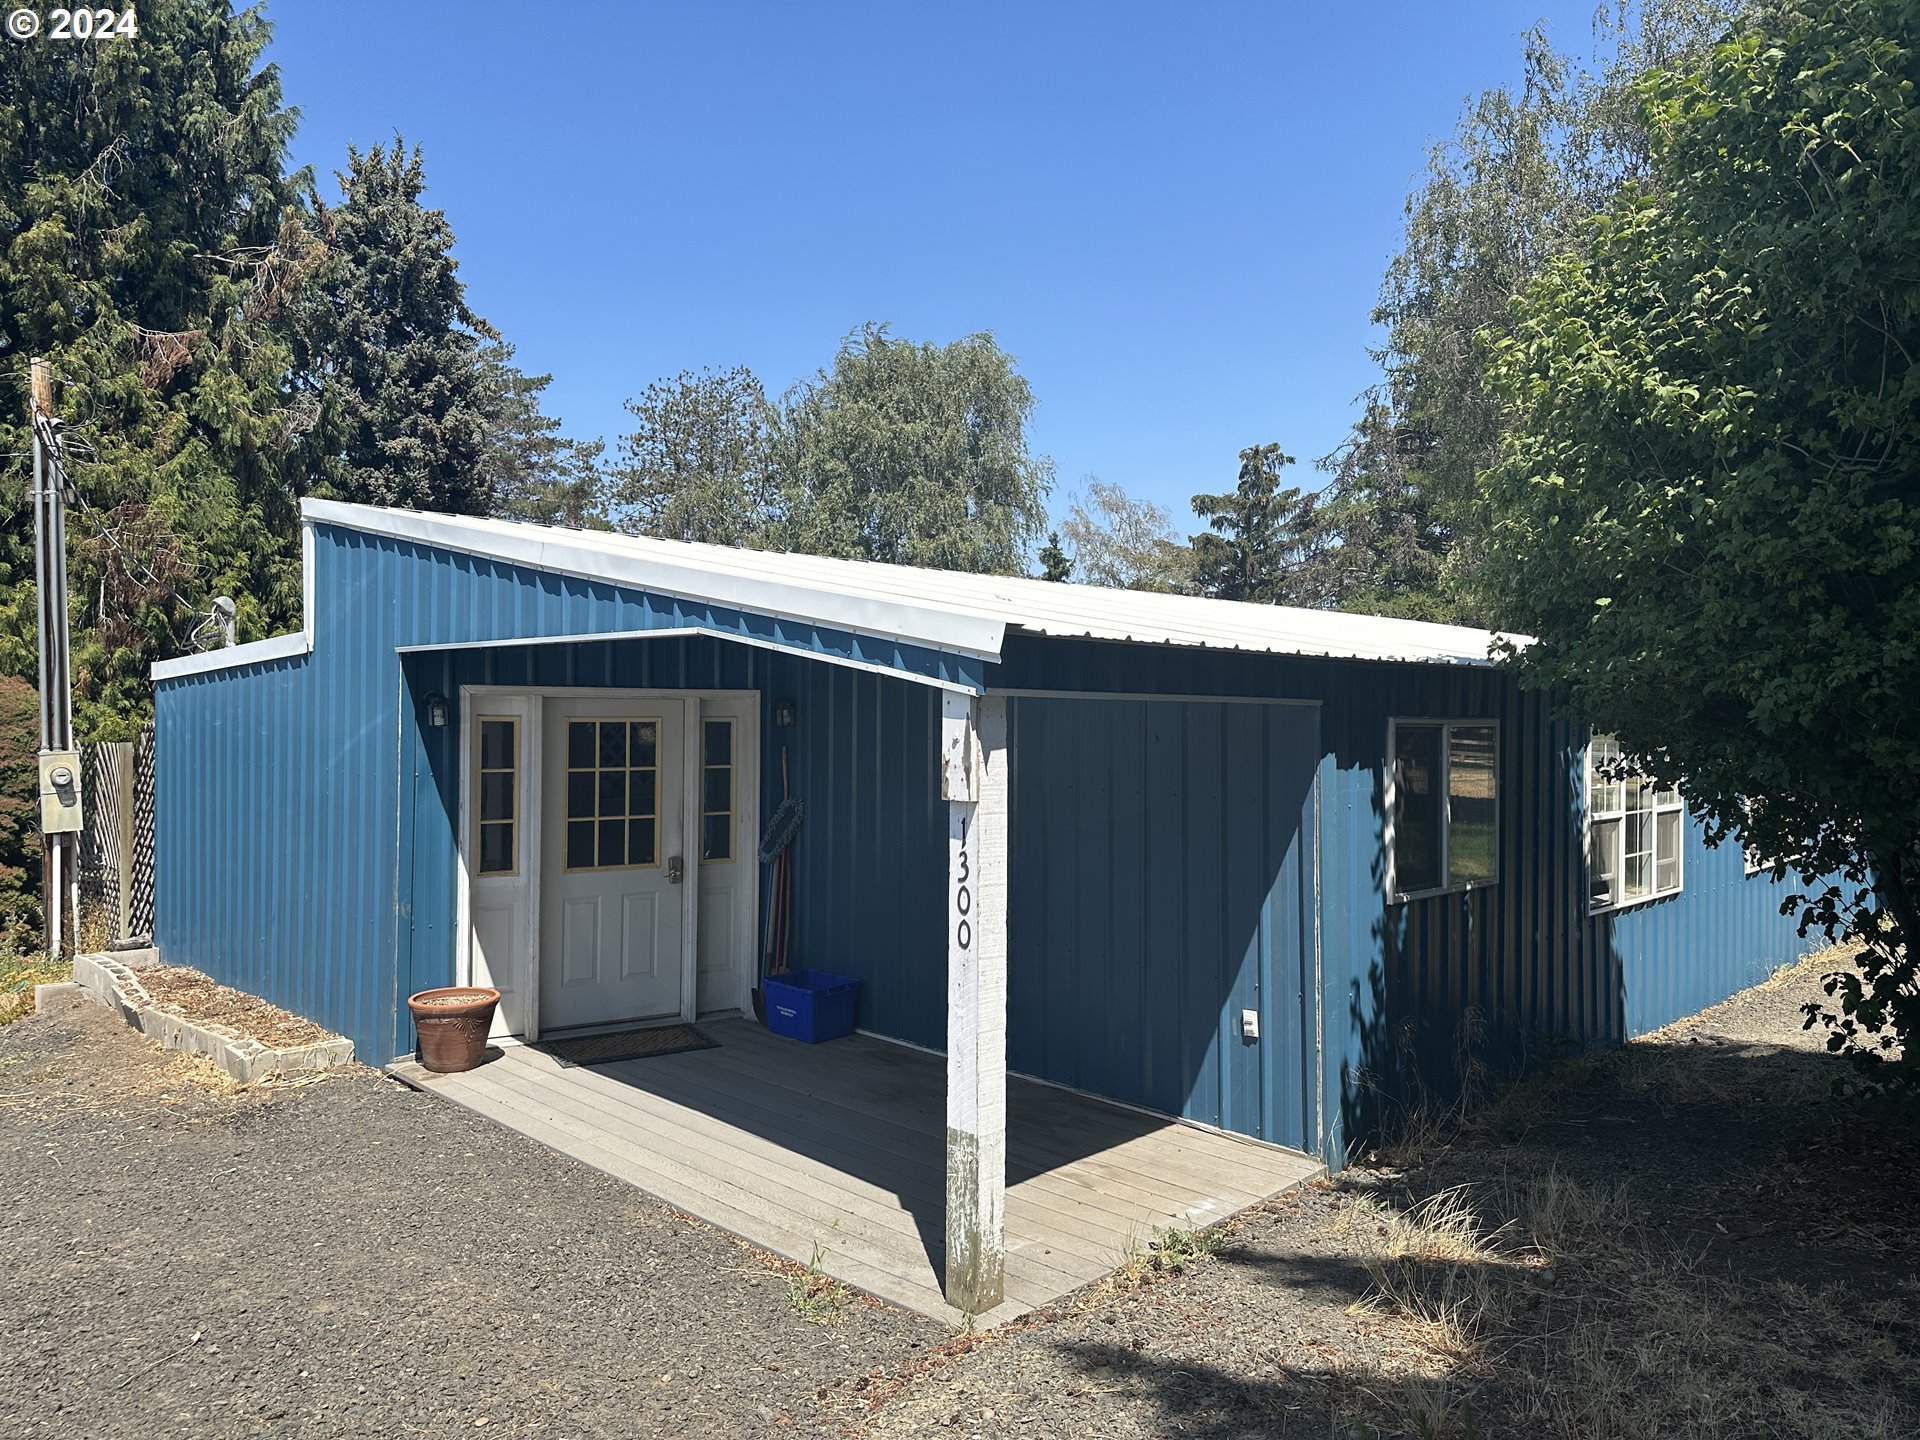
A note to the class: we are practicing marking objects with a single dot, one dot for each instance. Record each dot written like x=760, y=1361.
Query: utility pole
x=60, y=819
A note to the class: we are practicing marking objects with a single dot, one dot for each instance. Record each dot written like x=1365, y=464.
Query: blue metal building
x=1254, y=867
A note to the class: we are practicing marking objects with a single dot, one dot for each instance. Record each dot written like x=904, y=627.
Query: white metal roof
x=940, y=609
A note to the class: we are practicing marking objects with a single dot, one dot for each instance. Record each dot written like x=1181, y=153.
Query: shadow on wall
x=1470, y=988
x=1162, y=874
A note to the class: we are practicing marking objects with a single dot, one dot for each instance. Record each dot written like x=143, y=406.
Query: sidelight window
x=496, y=805
x=716, y=790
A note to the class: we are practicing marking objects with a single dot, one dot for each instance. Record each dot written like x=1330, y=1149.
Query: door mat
x=629, y=1045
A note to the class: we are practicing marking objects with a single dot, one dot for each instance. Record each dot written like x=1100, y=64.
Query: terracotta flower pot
x=453, y=1022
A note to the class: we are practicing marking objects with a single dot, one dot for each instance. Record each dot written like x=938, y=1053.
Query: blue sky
x=1174, y=215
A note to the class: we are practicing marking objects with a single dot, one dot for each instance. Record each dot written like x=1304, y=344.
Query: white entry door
x=613, y=859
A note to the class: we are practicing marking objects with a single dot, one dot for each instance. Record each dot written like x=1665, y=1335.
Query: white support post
x=973, y=770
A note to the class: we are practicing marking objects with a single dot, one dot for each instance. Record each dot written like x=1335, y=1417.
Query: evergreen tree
x=1261, y=534
x=1055, y=564
x=1386, y=548
x=389, y=353
x=532, y=471
x=148, y=235
x=19, y=817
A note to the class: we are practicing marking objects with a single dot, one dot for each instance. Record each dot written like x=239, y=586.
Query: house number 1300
x=963, y=903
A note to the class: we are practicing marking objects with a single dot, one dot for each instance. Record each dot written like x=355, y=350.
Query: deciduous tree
x=1508, y=191
x=915, y=454
x=1129, y=544
x=1707, y=506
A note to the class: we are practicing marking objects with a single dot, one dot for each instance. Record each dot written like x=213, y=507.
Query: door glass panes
x=1417, y=807
x=1471, y=805
x=716, y=790
x=613, y=787
x=498, y=782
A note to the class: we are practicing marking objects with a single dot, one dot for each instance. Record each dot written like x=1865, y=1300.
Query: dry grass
x=20, y=971
x=1559, y=1308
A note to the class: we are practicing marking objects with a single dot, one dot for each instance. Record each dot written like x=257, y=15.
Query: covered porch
x=838, y=1154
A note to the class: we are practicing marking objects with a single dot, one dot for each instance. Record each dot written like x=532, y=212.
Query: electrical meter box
x=59, y=792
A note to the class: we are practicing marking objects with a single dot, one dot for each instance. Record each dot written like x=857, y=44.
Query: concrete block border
x=111, y=981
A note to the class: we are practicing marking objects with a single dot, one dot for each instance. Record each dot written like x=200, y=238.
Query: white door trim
x=534, y=773
x=690, y=859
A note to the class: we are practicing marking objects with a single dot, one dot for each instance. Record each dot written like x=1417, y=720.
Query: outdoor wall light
x=437, y=710
x=783, y=713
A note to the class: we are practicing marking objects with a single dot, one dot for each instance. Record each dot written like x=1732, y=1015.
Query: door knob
x=676, y=870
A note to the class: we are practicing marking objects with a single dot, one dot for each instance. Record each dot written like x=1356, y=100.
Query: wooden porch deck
x=839, y=1150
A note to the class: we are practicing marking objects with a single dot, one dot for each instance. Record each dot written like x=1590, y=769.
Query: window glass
x=612, y=786
x=1666, y=865
x=496, y=849
x=1603, y=862
x=716, y=790
x=1605, y=787
x=1472, y=809
x=1418, y=810
x=496, y=785
x=1635, y=830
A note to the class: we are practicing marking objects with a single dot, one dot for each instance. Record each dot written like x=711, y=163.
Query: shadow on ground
x=1689, y=1236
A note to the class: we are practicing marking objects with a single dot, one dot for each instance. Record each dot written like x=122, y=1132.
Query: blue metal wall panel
x=1504, y=973
x=306, y=846
x=287, y=863
x=1161, y=882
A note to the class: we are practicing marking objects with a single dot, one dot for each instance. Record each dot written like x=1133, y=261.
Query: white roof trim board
x=937, y=609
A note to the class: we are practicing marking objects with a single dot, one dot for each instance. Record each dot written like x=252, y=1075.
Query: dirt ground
x=1687, y=1237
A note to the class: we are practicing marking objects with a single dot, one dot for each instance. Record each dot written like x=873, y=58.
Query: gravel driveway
x=354, y=1259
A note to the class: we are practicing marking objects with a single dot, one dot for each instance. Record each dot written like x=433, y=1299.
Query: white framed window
x=1443, y=806
x=1636, y=831
x=496, y=783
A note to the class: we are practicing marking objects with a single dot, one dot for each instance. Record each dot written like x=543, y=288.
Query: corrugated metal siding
x=282, y=838
x=869, y=859
x=1162, y=875
x=1523, y=956
x=288, y=864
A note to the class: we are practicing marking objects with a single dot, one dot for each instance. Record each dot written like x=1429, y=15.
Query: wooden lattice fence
x=116, y=848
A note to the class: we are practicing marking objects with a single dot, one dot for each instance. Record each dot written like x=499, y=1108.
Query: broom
x=776, y=851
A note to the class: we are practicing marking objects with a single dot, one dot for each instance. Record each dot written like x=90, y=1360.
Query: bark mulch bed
x=187, y=992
